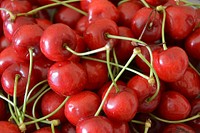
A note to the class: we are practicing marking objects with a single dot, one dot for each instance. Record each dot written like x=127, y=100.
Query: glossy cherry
x=176, y=128
x=81, y=105
x=81, y=25
x=149, y=21
x=173, y=106
x=52, y=43
x=50, y=102
x=4, y=43
x=95, y=124
x=13, y=128
x=170, y=64
x=67, y=78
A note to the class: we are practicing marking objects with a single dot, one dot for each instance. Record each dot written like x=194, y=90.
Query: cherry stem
x=162, y=9
x=17, y=76
x=145, y=3
x=177, y=121
x=190, y=64
x=117, y=65
x=187, y=3
x=12, y=16
x=116, y=78
x=49, y=115
x=147, y=125
x=71, y=7
x=28, y=81
x=138, y=122
x=122, y=1
x=116, y=60
x=44, y=7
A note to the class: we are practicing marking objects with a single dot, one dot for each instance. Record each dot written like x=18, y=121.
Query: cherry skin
x=67, y=78
x=120, y=127
x=97, y=74
x=170, y=64
x=180, y=127
x=81, y=25
x=80, y=106
x=43, y=23
x=49, y=102
x=95, y=34
x=52, y=43
x=68, y=128
x=96, y=124
x=192, y=44
x=180, y=26
x=156, y=2
x=152, y=31
x=46, y=130
x=173, y=106
x=23, y=40
x=4, y=43
x=188, y=85
x=13, y=128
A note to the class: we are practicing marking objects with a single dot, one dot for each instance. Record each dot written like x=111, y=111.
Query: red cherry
x=125, y=14
x=95, y=34
x=23, y=40
x=43, y=23
x=173, y=106
x=156, y=2
x=180, y=127
x=68, y=128
x=4, y=43
x=192, y=44
x=52, y=42
x=8, y=127
x=95, y=124
x=67, y=78
x=46, y=130
x=120, y=127
x=152, y=31
x=81, y=25
x=84, y=4
x=188, y=85
x=99, y=9
x=180, y=26
x=80, y=106
x=97, y=74
x=170, y=64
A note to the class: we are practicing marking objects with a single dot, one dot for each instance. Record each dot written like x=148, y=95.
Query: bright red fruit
x=95, y=124
x=67, y=78
x=170, y=64
x=81, y=105
x=173, y=106
x=178, y=128
x=8, y=127
x=52, y=42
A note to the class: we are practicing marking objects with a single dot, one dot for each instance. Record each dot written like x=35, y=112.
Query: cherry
x=43, y=23
x=67, y=78
x=80, y=106
x=95, y=34
x=99, y=9
x=170, y=64
x=173, y=106
x=46, y=130
x=180, y=26
x=23, y=41
x=120, y=127
x=85, y=4
x=95, y=124
x=156, y=2
x=67, y=15
x=146, y=25
x=97, y=74
x=192, y=44
x=176, y=128
x=4, y=43
x=8, y=78
x=49, y=102
x=188, y=85
x=81, y=25
x=52, y=43
x=68, y=128
x=125, y=14
x=8, y=127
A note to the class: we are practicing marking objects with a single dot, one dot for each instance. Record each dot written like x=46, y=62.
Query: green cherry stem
x=138, y=122
x=121, y=2
x=187, y=3
x=12, y=114
x=12, y=16
x=147, y=125
x=190, y=64
x=116, y=78
x=115, y=60
x=145, y=3
x=177, y=121
x=71, y=7
x=17, y=76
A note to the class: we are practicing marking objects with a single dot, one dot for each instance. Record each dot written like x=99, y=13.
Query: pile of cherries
x=99, y=66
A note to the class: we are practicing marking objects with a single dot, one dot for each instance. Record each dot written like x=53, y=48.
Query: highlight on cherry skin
x=99, y=66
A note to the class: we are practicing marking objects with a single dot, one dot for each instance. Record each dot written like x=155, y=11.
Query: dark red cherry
x=52, y=43
x=67, y=15
x=125, y=14
x=23, y=40
x=97, y=74
x=95, y=34
x=47, y=130
x=192, y=44
x=14, y=6
x=149, y=21
x=180, y=26
x=50, y=102
x=68, y=128
x=43, y=23
x=178, y=128
x=81, y=25
x=67, y=78
x=120, y=127
x=99, y=9
x=173, y=106
x=95, y=124
x=188, y=85
x=81, y=106
x=8, y=127
x=4, y=43
x=170, y=64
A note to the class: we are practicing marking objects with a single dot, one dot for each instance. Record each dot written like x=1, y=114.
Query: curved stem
x=17, y=76
x=12, y=16
x=13, y=114
x=121, y=2
x=145, y=3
